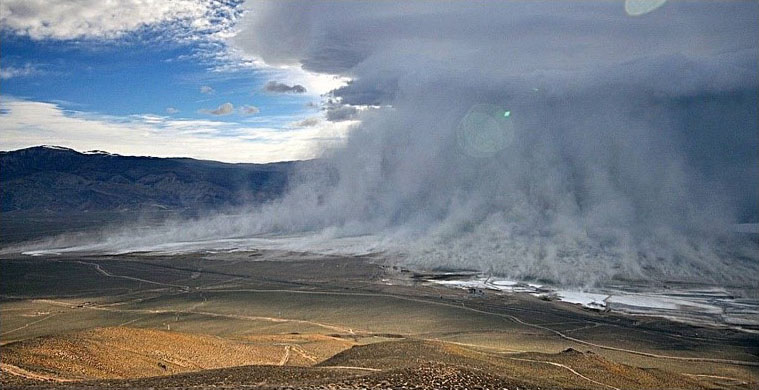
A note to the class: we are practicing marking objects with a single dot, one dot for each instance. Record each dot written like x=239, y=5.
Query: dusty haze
x=560, y=141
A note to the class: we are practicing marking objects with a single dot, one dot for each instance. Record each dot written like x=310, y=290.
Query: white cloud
x=171, y=110
x=249, y=110
x=224, y=109
x=29, y=123
x=8, y=72
x=206, y=90
x=308, y=122
x=65, y=19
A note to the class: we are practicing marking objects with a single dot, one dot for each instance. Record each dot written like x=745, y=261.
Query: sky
x=153, y=78
x=567, y=141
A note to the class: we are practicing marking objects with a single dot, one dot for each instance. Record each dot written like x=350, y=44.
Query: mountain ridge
x=58, y=179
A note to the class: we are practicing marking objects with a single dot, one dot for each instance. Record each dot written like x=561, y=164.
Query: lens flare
x=642, y=7
x=484, y=131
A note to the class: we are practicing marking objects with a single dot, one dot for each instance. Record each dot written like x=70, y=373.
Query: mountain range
x=51, y=190
x=58, y=179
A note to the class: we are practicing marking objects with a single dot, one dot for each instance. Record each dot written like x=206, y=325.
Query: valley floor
x=274, y=319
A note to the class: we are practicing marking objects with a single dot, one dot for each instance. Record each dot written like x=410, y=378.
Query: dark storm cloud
x=341, y=113
x=560, y=140
x=273, y=86
x=345, y=37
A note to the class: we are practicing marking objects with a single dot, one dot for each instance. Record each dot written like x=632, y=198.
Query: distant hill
x=54, y=179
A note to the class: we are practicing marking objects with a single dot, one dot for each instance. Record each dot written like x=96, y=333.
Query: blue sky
x=174, y=70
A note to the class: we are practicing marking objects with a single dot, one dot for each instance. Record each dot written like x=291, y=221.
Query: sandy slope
x=123, y=352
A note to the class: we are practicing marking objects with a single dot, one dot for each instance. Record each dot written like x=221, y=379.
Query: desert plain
x=278, y=319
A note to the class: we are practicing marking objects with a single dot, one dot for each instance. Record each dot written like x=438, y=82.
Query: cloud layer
x=95, y=19
x=629, y=147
